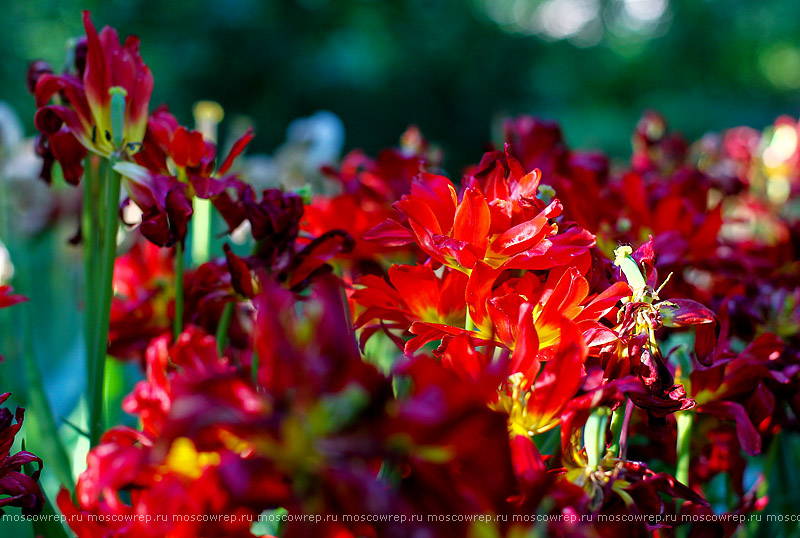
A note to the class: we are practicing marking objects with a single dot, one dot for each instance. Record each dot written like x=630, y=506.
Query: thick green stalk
x=469, y=325
x=685, y=419
x=177, y=323
x=594, y=436
x=224, y=325
x=207, y=115
x=90, y=254
x=109, y=252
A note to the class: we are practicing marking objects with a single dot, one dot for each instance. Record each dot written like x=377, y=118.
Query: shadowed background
x=450, y=66
x=453, y=67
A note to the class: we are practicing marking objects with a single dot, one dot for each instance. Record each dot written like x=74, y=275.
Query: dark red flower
x=16, y=487
x=86, y=113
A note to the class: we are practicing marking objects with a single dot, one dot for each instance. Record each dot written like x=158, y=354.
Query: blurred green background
x=450, y=66
x=453, y=67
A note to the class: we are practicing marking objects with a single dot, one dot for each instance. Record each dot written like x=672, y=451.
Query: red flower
x=520, y=308
x=165, y=204
x=536, y=398
x=169, y=474
x=110, y=67
x=369, y=186
x=279, y=253
x=173, y=150
x=174, y=166
x=750, y=389
x=459, y=234
x=16, y=487
x=452, y=449
x=538, y=143
x=416, y=294
x=564, y=294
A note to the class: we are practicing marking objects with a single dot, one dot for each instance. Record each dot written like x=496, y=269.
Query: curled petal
x=472, y=220
x=745, y=431
x=236, y=150
x=390, y=233
x=241, y=278
x=686, y=313
x=316, y=253
x=8, y=298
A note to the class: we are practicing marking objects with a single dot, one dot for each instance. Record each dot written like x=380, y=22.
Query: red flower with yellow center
x=535, y=400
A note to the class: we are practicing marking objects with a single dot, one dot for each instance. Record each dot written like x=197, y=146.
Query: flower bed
x=548, y=343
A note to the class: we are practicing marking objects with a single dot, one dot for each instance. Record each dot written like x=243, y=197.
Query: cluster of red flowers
x=554, y=337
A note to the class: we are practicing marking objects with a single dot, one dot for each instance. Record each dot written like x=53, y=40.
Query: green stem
x=685, y=419
x=177, y=322
x=95, y=189
x=109, y=249
x=254, y=368
x=224, y=325
x=617, y=418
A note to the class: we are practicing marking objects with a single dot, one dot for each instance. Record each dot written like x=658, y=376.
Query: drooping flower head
x=16, y=487
x=175, y=166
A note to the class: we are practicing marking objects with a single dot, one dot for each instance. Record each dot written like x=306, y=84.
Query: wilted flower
x=112, y=72
x=16, y=487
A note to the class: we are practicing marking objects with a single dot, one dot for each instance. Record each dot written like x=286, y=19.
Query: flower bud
x=207, y=115
x=628, y=266
x=36, y=69
x=79, y=55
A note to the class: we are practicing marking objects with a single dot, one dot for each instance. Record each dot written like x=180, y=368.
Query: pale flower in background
x=310, y=144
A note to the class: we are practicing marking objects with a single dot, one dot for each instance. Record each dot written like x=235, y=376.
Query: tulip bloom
x=535, y=400
x=171, y=149
x=416, y=294
x=86, y=112
x=461, y=233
